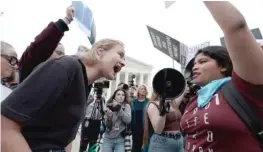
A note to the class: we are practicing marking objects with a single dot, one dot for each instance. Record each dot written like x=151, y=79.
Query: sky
x=186, y=20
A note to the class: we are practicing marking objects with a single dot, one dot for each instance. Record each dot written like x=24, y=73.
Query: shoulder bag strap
x=244, y=110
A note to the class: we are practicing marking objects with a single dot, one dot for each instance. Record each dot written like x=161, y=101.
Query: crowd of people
x=45, y=96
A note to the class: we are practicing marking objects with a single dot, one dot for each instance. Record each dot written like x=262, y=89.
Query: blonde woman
x=137, y=125
x=61, y=91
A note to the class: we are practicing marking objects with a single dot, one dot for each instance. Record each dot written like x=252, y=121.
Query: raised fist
x=70, y=13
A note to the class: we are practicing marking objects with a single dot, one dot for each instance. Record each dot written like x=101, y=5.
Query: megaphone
x=168, y=84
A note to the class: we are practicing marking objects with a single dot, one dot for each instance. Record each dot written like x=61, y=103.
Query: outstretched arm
x=245, y=53
x=44, y=45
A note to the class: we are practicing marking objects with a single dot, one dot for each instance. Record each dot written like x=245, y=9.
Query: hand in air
x=70, y=13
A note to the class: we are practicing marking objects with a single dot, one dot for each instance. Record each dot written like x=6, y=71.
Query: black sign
x=165, y=44
x=256, y=33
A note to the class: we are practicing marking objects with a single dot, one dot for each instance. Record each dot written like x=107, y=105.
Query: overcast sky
x=187, y=21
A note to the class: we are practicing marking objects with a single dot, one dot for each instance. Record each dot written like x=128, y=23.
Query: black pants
x=137, y=137
x=89, y=135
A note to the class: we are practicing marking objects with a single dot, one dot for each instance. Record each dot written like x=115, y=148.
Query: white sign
x=83, y=16
x=193, y=50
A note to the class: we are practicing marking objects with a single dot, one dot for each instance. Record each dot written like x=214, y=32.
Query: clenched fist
x=70, y=13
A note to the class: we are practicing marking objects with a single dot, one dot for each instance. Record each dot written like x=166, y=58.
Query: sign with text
x=193, y=50
x=183, y=52
x=85, y=19
x=256, y=33
x=165, y=43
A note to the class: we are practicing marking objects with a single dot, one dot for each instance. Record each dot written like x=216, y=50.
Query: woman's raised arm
x=246, y=54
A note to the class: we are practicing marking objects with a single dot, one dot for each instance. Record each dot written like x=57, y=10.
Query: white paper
x=5, y=92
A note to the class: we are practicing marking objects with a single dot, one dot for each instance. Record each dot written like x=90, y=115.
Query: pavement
x=76, y=142
x=75, y=145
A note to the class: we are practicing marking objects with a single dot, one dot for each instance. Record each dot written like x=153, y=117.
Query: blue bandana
x=206, y=93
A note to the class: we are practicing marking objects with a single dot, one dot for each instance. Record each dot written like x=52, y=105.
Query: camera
x=114, y=108
x=102, y=84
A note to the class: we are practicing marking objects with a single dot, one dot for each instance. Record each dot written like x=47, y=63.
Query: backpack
x=243, y=110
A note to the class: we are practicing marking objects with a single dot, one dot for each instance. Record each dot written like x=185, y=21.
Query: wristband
x=69, y=21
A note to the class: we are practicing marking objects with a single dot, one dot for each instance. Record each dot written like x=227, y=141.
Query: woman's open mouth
x=116, y=69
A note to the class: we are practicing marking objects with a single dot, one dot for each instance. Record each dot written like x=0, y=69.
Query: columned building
x=142, y=72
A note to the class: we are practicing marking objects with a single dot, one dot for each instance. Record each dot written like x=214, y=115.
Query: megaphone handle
x=162, y=109
x=167, y=108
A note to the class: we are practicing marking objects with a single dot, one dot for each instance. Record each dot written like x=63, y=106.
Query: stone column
x=126, y=79
x=117, y=79
x=141, y=79
x=149, y=79
x=149, y=83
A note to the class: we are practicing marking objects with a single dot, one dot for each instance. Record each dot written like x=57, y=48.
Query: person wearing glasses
x=8, y=68
x=8, y=60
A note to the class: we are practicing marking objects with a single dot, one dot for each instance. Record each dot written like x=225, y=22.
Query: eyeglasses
x=11, y=59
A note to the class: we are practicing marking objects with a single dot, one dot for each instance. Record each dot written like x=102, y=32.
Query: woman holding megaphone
x=162, y=132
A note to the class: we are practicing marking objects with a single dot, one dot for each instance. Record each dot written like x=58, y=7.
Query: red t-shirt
x=217, y=128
